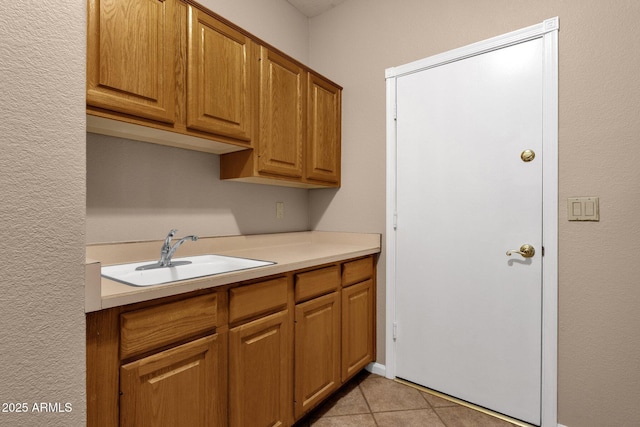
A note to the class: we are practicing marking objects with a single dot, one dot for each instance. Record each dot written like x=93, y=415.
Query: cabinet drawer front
x=259, y=298
x=356, y=271
x=150, y=328
x=317, y=282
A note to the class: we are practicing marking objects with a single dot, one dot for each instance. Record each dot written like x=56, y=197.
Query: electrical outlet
x=279, y=210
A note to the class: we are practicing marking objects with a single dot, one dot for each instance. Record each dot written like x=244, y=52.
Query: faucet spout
x=167, y=251
x=175, y=247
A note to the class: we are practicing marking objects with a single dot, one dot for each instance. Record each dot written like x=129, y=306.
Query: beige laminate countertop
x=290, y=251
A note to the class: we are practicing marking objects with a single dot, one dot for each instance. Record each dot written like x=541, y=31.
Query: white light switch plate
x=583, y=209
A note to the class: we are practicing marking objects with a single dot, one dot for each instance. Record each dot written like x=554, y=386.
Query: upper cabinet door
x=324, y=130
x=221, y=62
x=130, y=57
x=282, y=115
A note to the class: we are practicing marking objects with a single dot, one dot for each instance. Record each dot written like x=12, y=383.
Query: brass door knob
x=526, y=250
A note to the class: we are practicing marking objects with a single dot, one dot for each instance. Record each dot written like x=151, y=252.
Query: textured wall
x=599, y=296
x=42, y=204
x=139, y=191
x=274, y=21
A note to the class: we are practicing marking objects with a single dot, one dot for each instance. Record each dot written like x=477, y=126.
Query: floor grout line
x=489, y=412
x=364, y=396
x=439, y=409
x=433, y=408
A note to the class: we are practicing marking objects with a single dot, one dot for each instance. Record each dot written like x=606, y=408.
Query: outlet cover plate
x=279, y=210
x=583, y=208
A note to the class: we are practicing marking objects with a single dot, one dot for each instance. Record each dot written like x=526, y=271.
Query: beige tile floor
x=372, y=400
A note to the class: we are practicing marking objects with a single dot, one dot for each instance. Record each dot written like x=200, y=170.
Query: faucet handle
x=172, y=232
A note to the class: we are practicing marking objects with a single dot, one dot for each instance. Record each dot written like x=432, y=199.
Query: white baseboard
x=376, y=368
x=561, y=425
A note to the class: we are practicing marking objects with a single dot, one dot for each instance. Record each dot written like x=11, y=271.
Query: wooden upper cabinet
x=220, y=69
x=282, y=115
x=324, y=130
x=172, y=72
x=130, y=57
x=298, y=144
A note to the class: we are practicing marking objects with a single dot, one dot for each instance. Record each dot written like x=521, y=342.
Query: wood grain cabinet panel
x=357, y=328
x=130, y=54
x=183, y=386
x=316, y=282
x=221, y=67
x=150, y=328
x=258, y=298
x=357, y=271
x=282, y=115
x=323, y=130
x=103, y=367
x=260, y=383
x=317, y=351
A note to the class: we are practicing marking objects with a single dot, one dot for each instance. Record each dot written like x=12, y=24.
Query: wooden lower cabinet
x=246, y=355
x=260, y=372
x=357, y=328
x=183, y=386
x=317, y=351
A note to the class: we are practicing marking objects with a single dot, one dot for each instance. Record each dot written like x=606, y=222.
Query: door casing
x=548, y=31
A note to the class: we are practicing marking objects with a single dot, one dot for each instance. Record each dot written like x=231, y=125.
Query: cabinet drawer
x=258, y=298
x=150, y=328
x=317, y=282
x=356, y=271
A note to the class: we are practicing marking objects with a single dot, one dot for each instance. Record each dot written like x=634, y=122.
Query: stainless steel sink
x=198, y=266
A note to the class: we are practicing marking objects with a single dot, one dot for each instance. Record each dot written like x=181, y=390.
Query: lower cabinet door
x=183, y=386
x=357, y=328
x=317, y=351
x=260, y=365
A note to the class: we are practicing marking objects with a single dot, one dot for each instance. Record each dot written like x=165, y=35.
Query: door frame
x=548, y=31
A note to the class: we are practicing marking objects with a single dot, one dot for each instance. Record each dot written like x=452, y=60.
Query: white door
x=468, y=316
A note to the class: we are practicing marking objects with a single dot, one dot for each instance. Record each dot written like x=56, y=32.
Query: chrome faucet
x=167, y=251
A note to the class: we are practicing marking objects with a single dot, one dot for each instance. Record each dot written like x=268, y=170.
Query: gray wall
x=599, y=296
x=42, y=210
x=42, y=170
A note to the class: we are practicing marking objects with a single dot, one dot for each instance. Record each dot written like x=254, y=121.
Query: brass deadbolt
x=527, y=155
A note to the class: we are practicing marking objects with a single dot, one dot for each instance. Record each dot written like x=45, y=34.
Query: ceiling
x=312, y=8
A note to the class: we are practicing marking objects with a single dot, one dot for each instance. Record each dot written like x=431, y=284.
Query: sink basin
x=199, y=266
